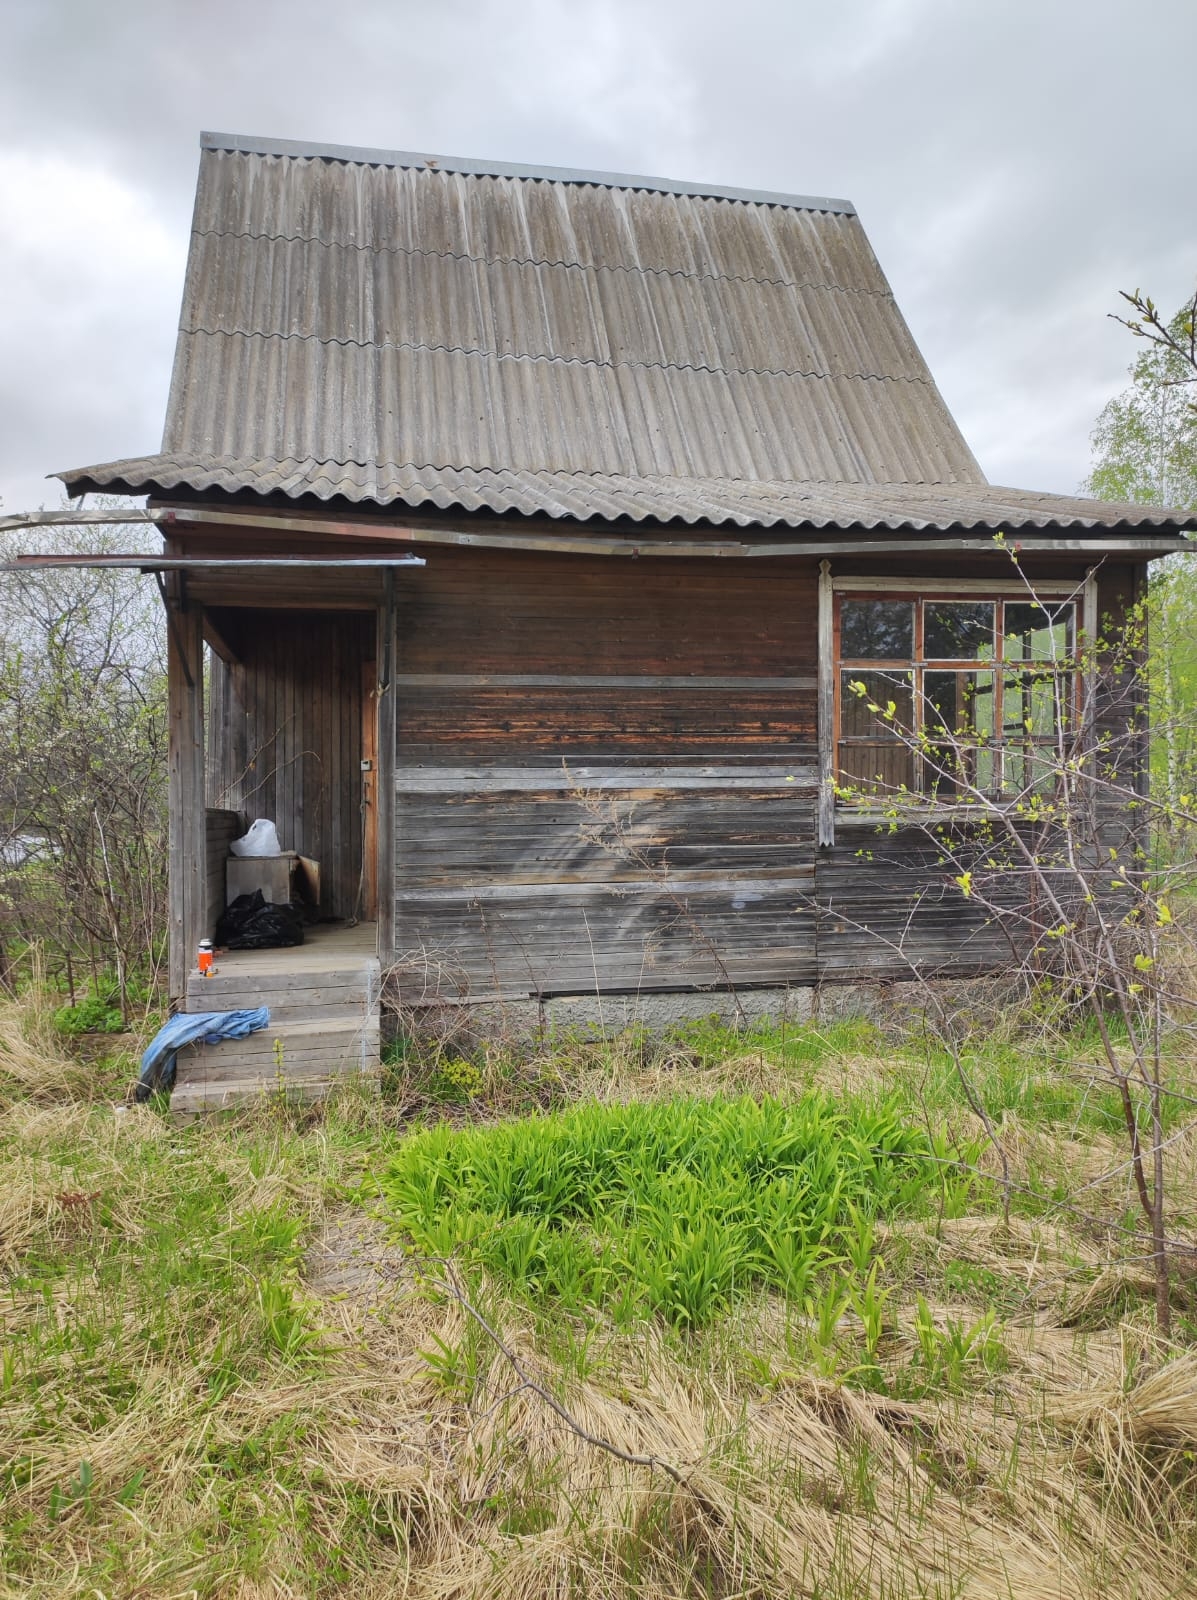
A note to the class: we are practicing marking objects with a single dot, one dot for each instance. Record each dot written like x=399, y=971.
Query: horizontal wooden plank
x=999, y=583
x=444, y=681
x=350, y=982
x=353, y=1056
x=304, y=1040
x=647, y=780
x=228, y=1096
x=531, y=612
x=290, y=1009
x=613, y=836
x=563, y=941
x=493, y=724
x=736, y=892
x=285, y=1009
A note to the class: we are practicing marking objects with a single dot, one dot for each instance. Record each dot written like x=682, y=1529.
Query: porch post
x=185, y=793
x=384, y=787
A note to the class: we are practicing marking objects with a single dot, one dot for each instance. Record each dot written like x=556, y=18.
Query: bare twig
x=452, y=1286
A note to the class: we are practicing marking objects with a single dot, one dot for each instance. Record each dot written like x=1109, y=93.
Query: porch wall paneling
x=285, y=734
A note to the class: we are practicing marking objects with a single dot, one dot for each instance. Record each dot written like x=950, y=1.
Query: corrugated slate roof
x=406, y=329
x=586, y=496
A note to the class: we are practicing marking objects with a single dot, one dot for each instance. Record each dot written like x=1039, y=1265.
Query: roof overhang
x=1142, y=545
x=748, y=505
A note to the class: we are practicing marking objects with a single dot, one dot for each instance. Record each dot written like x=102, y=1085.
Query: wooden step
x=306, y=994
x=305, y=1056
x=197, y=1099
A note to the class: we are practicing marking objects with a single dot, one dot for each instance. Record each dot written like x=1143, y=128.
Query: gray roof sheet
x=481, y=166
x=402, y=329
x=607, y=496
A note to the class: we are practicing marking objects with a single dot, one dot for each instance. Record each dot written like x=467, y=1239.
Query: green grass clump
x=99, y=1013
x=672, y=1207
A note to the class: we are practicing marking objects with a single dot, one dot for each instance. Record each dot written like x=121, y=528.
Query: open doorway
x=292, y=736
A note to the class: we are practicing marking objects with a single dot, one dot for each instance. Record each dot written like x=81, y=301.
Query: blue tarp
x=158, y=1062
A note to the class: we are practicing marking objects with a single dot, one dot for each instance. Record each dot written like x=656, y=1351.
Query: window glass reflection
x=958, y=630
x=1034, y=705
x=960, y=703
x=876, y=630
x=1038, y=633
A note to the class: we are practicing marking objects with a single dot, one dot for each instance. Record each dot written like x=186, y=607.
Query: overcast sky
x=1015, y=164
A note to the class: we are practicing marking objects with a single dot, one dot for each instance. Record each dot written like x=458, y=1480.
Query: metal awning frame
x=159, y=564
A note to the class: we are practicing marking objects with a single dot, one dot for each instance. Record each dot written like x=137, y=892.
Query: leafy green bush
x=673, y=1207
x=99, y=1013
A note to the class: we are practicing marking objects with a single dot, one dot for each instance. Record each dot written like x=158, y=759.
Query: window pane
x=958, y=630
x=1038, y=633
x=881, y=689
x=1033, y=703
x=1030, y=767
x=876, y=630
x=960, y=703
x=876, y=768
x=953, y=769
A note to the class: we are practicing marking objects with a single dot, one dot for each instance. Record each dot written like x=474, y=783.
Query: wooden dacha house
x=522, y=528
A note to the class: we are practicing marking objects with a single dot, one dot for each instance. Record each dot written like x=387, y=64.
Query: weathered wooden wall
x=285, y=731
x=605, y=774
x=604, y=771
x=605, y=780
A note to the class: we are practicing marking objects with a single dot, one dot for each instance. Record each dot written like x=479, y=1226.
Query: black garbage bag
x=253, y=923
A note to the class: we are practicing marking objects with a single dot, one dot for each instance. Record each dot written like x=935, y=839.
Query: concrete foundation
x=530, y=1023
x=610, y=1014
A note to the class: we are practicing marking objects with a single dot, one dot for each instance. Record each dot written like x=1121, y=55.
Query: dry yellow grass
x=407, y=1457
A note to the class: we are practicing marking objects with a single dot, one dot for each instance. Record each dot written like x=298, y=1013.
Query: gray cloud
x=1014, y=164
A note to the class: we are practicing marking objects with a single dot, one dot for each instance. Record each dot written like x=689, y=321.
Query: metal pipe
x=204, y=563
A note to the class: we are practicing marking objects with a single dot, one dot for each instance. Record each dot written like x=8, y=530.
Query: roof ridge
x=297, y=149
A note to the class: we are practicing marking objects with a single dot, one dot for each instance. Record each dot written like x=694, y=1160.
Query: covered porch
x=278, y=675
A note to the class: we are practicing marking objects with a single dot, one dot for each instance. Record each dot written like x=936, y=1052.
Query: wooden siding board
x=549, y=836
x=522, y=612
x=887, y=908
x=604, y=938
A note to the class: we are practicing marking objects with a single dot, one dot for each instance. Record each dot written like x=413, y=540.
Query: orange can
x=205, y=958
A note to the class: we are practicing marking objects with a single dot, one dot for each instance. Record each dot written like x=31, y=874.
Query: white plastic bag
x=261, y=840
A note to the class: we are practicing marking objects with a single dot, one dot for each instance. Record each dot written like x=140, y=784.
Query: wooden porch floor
x=327, y=946
x=323, y=998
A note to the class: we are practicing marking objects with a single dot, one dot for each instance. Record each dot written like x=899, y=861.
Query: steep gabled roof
x=402, y=329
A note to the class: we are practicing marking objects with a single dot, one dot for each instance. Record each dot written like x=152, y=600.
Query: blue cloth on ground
x=158, y=1061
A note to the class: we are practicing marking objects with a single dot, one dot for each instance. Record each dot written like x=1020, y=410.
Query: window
x=934, y=694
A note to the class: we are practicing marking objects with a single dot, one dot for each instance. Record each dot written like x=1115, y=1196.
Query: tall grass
x=674, y=1207
x=217, y=1378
